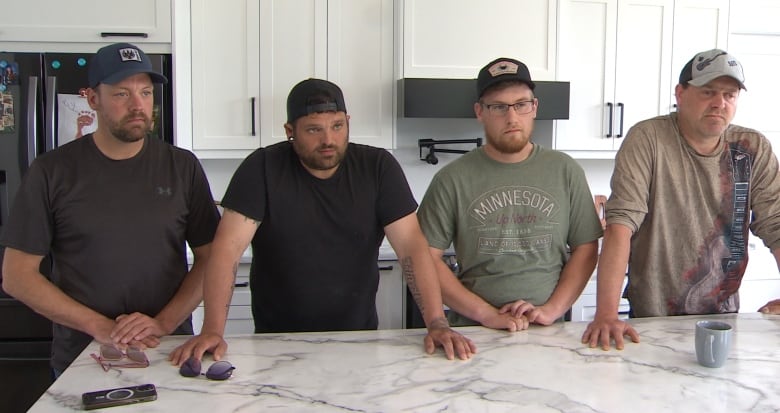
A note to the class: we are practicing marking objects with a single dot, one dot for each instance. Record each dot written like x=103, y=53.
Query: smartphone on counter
x=119, y=396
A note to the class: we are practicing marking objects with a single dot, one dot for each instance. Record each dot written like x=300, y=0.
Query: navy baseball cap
x=314, y=96
x=115, y=62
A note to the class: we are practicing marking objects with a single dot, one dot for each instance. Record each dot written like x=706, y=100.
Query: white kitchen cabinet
x=349, y=42
x=761, y=282
x=389, y=301
x=390, y=296
x=699, y=25
x=239, y=319
x=617, y=55
x=225, y=74
x=85, y=21
x=584, y=309
x=246, y=56
x=455, y=38
x=754, y=39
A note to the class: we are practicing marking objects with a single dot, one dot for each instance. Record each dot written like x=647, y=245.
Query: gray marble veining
x=544, y=369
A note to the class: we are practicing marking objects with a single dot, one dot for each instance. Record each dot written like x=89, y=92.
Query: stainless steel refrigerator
x=43, y=106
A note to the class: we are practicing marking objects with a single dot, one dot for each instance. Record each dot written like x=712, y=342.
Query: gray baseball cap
x=710, y=65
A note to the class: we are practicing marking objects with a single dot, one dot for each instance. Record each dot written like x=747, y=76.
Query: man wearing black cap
x=511, y=209
x=113, y=209
x=686, y=188
x=315, y=209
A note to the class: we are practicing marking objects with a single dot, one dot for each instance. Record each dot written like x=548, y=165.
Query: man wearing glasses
x=512, y=209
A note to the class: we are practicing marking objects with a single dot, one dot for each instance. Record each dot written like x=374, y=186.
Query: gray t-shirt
x=690, y=215
x=510, y=224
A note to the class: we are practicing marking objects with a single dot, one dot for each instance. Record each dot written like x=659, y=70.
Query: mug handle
x=712, y=348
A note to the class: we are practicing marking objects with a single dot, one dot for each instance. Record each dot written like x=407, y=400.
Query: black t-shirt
x=116, y=229
x=314, y=264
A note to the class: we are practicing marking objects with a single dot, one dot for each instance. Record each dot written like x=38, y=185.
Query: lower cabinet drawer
x=584, y=309
x=239, y=320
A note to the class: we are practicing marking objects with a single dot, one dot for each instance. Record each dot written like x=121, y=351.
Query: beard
x=508, y=146
x=130, y=134
x=316, y=161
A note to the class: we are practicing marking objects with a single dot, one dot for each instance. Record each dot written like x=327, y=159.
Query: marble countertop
x=543, y=369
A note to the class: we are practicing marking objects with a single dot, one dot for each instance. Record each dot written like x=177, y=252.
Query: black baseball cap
x=500, y=70
x=314, y=96
x=115, y=62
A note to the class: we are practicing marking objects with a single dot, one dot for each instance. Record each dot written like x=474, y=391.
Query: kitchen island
x=543, y=369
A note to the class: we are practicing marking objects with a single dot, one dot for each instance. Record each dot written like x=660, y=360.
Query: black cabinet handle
x=252, y=113
x=386, y=268
x=121, y=34
x=609, y=123
x=622, y=115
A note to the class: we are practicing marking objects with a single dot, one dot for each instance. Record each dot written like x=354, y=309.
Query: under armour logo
x=166, y=191
x=129, y=54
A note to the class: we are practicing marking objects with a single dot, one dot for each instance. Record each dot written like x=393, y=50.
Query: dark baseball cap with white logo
x=115, y=62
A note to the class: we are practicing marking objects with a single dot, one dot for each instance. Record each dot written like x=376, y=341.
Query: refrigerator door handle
x=32, y=115
x=51, y=104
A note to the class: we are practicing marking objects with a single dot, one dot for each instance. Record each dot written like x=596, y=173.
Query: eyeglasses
x=501, y=109
x=220, y=370
x=111, y=356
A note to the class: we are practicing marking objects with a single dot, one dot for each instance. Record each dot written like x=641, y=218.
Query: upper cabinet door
x=455, y=38
x=644, y=54
x=86, y=21
x=698, y=25
x=293, y=47
x=754, y=39
x=225, y=79
x=248, y=55
x=616, y=54
x=360, y=61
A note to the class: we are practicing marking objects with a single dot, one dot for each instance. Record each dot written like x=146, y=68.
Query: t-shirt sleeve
x=245, y=192
x=203, y=215
x=584, y=223
x=765, y=187
x=628, y=202
x=437, y=219
x=395, y=199
x=30, y=223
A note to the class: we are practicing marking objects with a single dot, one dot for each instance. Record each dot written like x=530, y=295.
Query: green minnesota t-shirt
x=510, y=224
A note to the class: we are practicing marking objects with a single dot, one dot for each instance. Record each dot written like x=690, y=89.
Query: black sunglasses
x=220, y=370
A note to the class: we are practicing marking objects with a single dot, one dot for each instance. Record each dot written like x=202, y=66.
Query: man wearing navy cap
x=686, y=189
x=113, y=209
x=512, y=209
x=315, y=209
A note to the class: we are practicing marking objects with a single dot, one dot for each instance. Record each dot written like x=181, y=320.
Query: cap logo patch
x=706, y=62
x=503, y=68
x=129, y=54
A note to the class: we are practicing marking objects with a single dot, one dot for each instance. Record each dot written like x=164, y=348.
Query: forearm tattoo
x=232, y=284
x=440, y=322
x=408, y=271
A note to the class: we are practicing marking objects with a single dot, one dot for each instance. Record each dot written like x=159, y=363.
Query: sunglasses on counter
x=111, y=356
x=220, y=370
